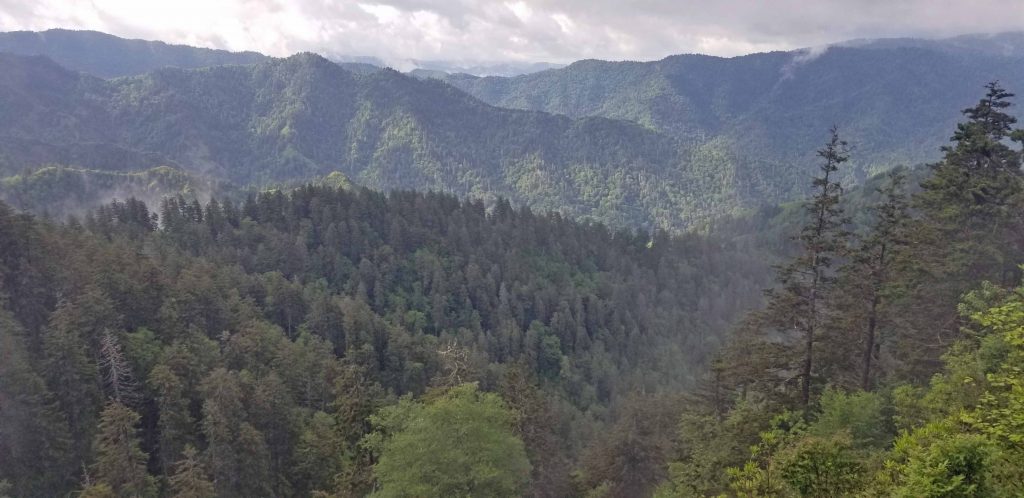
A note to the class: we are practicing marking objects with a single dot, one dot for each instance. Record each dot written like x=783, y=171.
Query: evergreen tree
x=236, y=453
x=189, y=480
x=799, y=301
x=969, y=229
x=320, y=453
x=868, y=281
x=72, y=376
x=34, y=439
x=176, y=424
x=120, y=462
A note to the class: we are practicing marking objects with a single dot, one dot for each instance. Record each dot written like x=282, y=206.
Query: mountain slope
x=662, y=144
x=109, y=56
x=304, y=117
x=59, y=191
x=895, y=100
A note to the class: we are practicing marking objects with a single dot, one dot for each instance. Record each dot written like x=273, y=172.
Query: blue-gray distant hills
x=668, y=143
x=109, y=56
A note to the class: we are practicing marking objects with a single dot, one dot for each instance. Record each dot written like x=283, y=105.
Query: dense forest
x=251, y=342
x=55, y=191
x=330, y=340
x=227, y=274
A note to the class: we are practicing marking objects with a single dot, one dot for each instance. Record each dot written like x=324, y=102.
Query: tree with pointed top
x=971, y=192
x=797, y=303
x=72, y=377
x=120, y=462
x=176, y=425
x=970, y=228
x=189, y=479
x=236, y=453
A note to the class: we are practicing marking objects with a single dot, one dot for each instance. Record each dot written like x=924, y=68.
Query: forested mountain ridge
x=304, y=117
x=893, y=99
x=690, y=138
x=109, y=56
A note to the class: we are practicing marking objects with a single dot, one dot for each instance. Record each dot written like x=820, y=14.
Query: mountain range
x=663, y=144
x=892, y=99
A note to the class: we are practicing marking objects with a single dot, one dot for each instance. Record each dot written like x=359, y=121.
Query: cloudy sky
x=519, y=30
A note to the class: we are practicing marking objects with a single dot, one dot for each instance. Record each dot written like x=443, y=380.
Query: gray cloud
x=520, y=30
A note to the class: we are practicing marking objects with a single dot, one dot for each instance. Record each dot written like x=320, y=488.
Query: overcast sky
x=522, y=30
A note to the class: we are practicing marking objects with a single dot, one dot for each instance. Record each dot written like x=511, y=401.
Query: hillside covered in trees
x=343, y=342
x=304, y=117
x=893, y=99
x=669, y=144
x=251, y=343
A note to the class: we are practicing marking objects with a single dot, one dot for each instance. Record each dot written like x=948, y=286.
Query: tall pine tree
x=970, y=228
x=120, y=462
x=798, y=302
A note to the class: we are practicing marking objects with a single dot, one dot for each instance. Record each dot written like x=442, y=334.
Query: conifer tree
x=970, y=227
x=120, y=462
x=176, y=425
x=969, y=197
x=798, y=302
x=72, y=377
x=874, y=259
x=189, y=479
x=236, y=453
x=34, y=439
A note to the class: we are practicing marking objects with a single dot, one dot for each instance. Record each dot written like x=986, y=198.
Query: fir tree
x=120, y=462
x=189, y=479
x=798, y=302
x=872, y=263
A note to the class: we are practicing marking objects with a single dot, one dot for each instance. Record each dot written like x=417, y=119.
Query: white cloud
x=515, y=30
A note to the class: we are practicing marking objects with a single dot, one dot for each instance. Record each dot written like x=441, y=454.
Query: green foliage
x=265, y=334
x=861, y=415
x=34, y=432
x=760, y=476
x=319, y=452
x=959, y=433
x=120, y=462
x=303, y=118
x=762, y=113
x=459, y=444
x=936, y=461
x=708, y=446
x=818, y=467
x=1000, y=409
x=189, y=479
